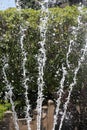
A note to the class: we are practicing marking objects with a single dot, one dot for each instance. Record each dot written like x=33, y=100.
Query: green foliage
x=4, y=107
x=57, y=42
x=29, y=4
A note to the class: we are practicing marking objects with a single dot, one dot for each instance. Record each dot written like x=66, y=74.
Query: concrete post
x=50, y=119
x=34, y=120
x=44, y=118
x=8, y=118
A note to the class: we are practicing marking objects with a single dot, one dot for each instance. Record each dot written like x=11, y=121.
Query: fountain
x=9, y=93
x=41, y=61
x=60, y=91
x=25, y=78
x=74, y=78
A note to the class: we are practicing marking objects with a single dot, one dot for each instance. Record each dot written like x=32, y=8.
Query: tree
x=34, y=4
x=57, y=43
x=71, y=2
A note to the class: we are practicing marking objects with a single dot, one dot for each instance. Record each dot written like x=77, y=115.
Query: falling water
x=41, y=64
x=25, y=78
x=41, y=59
x=69, y=51
x=72, y=42
x=60, y=92
x=73, y=84
x=10, y=93
x=75, y=74
x=74, y=33
x=64, y=71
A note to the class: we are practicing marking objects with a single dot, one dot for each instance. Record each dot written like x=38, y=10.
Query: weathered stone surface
x=48, y=118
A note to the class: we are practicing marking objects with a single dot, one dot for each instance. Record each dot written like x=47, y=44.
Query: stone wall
x=7, y=123
x=47, y=119
x=46, y=122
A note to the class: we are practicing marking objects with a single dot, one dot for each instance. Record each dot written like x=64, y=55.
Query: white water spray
x=75, y=74
x=10, y=94
x=73, y=84
x=25, y=78
x=41, y=59
x=60, y=92
x=72, y=42
x=67, y=55
x=58, y=101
